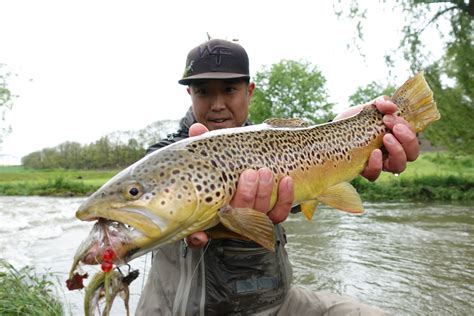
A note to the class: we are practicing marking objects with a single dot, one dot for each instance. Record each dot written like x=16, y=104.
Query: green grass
x=23, y=292
x=433, y=176
x=437, y=164
x=16, y=180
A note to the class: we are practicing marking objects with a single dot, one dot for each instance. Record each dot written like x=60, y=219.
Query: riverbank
x=434, y=176
x=23, y=292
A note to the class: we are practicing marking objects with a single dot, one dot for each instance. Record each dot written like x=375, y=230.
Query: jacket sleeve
x=170, y=139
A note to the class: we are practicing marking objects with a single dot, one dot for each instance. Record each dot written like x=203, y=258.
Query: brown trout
x=187, y=186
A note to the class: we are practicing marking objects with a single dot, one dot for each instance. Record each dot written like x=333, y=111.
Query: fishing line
x=200, y=258
x=144, y=270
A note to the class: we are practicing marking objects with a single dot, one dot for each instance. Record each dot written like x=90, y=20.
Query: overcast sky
x=87, y=68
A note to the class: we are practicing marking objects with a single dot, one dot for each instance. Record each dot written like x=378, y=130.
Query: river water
x=409, y=259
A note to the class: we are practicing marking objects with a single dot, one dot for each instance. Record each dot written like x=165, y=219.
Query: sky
x=87, y=68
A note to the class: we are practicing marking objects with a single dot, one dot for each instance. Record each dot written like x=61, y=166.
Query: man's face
x=221, y=103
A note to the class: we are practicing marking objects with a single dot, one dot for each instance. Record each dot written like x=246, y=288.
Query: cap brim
x=211, y=75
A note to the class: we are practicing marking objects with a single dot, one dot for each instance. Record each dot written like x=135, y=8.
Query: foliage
x=5, y=101
x=455, y=130
x=290, y=89
x=426, y=188
x=23, y=292
x=102, y=154
x=451, y=77
x=370, y=92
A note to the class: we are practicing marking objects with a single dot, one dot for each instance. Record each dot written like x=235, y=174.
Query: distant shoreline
x=433, y=177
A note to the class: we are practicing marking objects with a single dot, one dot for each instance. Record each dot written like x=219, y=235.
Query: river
x=409, y=259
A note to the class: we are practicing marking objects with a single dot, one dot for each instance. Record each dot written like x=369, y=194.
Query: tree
x=451, y=19
x=370, y=92
x=5, y=101
x=451, y=77
x=455, y=130
x=290, y=89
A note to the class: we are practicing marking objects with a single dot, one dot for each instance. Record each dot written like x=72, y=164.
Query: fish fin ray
x=308, y=208
x=249, y=223
x=415, y=101
x=342, y=196
x=283, y=122
x=221, y=232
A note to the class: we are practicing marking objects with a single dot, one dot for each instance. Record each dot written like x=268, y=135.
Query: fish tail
x=415, y=101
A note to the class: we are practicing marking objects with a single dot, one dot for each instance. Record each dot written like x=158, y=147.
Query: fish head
x=159, y=199
x=153, y=201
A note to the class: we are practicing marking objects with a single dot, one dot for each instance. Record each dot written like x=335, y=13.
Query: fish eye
x=133, y=191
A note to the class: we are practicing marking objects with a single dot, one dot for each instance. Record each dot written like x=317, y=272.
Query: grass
x=22, y=292
x=17, y=180
x=433, y=176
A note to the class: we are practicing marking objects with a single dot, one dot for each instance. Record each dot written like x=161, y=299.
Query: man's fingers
x=246, y=189
x=197, y=129
x=384, y=105
x=197, y=240
x=264, y=190
x=374, y=166
x=396, y=161
x=408, y=140
x=286, y=195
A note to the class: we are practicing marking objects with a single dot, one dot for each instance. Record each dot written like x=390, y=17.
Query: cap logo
x=217, y=51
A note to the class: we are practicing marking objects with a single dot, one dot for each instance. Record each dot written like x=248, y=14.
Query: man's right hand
x=254, y=190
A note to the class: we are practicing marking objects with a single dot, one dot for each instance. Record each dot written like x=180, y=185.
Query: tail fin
x=415, y=102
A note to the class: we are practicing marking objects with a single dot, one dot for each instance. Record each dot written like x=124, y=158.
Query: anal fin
x=342, y=196
x=308, y=208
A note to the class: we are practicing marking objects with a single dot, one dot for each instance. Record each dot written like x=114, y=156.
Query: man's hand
x=254, y=190
x=401, y=145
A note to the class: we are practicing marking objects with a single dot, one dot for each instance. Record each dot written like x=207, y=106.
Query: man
x=227, y=276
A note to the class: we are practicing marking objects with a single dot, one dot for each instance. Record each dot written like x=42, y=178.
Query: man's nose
x=218, y=103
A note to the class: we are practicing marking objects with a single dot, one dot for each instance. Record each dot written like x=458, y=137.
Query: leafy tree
x=455, y=130
x=370, y=92
x=290, y=89
x=451, y=19
x=451, y=77
x=5, y=101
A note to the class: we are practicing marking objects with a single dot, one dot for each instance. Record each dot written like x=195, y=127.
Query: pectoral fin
x=221, y=232
x=249, y=223
x=342, y=196
x=308, y=208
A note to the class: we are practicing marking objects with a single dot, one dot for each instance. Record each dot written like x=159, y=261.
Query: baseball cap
x=216, y=59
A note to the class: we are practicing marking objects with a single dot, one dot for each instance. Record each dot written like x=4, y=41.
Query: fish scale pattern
x=284, y=150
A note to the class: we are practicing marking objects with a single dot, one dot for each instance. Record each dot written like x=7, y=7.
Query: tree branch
x=437, y=15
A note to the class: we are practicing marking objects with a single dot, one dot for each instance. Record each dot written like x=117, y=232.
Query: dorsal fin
x=283, y=122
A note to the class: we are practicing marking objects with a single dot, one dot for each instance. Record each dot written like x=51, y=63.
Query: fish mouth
x=125, y=242
x=107, y=234
x=139, y=218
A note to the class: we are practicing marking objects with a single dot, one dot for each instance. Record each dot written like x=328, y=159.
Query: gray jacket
x=227, y=277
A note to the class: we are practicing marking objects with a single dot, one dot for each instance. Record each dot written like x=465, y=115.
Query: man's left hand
x=401, y=144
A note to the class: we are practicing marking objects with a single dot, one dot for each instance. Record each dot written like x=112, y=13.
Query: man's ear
x=189, y=90
x=251, y=89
